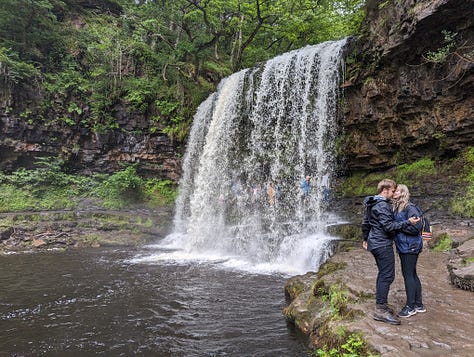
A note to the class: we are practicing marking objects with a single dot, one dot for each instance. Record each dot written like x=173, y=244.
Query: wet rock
x=461, y=267
x=5, y=233
x=38, y=242
x=462, y=277
x=400, y=107
x=444, y=329
x=87, y=227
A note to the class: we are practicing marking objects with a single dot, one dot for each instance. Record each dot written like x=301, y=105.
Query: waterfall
x=251, y=145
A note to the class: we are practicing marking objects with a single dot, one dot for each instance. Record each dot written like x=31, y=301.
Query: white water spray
x=268, y=126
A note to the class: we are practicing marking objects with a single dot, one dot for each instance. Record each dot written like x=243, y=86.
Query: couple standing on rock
x=383, y=223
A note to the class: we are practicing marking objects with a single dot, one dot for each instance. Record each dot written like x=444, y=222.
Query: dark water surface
x=88, y=302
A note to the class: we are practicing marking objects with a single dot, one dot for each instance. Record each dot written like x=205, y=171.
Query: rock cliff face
x=84, y=150
x=400, y=104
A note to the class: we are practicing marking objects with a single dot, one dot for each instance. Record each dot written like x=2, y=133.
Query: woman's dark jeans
x=385, y=259
x=412, y=282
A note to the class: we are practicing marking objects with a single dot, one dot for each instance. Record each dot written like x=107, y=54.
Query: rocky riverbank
x=86, y=226
x=338, y=301
x=335, y=302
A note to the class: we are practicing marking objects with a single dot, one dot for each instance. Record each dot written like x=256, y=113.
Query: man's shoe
x=385, y=315
x=384, y=307
x=407, y=311
x=420, y=308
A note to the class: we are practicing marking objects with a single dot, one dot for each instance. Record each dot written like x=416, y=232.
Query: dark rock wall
x=87, y=151
x=398, y=105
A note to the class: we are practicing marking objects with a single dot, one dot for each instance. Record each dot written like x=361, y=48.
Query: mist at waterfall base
x=265, y=126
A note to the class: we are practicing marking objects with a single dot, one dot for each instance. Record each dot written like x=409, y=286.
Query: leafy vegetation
x=442, y=53
x=450, y=47
x=49, y=187
x=361, y=183
x=352, y=345
x=159, y=59
x=443, y=243
x=463, y=203
x=338, y=298
x=329, y=267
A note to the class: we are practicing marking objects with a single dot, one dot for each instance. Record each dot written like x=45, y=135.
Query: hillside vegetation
x=77, y=62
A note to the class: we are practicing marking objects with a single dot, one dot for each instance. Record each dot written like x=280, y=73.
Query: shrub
x=351, y=345
x=160, y=191
x=122, y=187
x=49, y=187
x=443, y=243
x=463, y=203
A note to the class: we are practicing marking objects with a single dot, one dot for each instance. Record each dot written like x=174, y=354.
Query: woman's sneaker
x=420, y=308
x=407, y=311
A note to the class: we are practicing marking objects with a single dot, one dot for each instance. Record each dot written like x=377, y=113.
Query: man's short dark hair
x=385, y=184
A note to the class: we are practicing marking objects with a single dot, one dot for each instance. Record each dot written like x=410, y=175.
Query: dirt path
x=445, y=329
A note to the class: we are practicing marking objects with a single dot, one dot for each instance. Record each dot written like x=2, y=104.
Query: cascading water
x=265, y=126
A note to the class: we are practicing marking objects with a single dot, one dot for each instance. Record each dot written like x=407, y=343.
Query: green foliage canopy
x=154, y=58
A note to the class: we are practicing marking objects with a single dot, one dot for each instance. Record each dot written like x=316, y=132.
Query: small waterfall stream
x=265, y=126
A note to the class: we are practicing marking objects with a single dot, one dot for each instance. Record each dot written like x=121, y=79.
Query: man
x=378, y=229
x=325, y=186
x=305, y=187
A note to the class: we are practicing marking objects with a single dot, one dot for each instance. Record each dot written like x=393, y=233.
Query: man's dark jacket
x=379, y=225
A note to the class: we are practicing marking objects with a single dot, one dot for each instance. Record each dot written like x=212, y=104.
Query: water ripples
x=90, y=302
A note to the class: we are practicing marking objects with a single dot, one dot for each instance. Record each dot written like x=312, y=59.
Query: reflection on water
x=95, y=301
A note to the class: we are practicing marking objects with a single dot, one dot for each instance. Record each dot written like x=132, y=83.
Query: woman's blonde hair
x=401, y=202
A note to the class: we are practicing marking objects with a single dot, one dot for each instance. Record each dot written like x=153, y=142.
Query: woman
x=409, y=245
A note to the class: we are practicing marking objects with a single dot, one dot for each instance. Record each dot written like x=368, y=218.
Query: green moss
x=351, y=232
x=330, y=267
x=359, y=184
x=364, y=184
x=463, y=202
x=345, y=344
x=468, y=260
x=443, y=243
x=407, y=173
x=148, y=223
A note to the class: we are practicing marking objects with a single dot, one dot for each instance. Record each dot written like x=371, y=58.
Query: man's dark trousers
x=385, y=259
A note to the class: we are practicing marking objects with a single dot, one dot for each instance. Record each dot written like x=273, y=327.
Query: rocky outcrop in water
x=400, y=104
